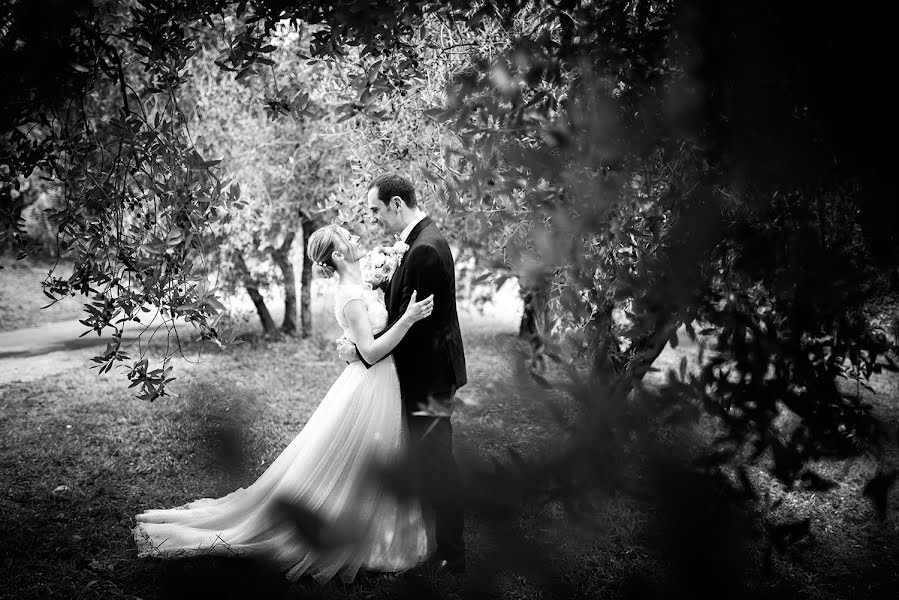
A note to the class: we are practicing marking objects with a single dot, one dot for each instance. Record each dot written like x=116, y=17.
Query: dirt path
x=33, y=353
x=36, y=352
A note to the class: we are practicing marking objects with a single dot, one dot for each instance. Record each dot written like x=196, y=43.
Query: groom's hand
x=346, y=350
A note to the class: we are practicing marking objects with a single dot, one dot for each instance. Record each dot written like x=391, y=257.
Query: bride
x=325, y=469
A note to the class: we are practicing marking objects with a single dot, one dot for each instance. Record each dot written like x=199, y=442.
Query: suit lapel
x=416, y=231
x=396, y=296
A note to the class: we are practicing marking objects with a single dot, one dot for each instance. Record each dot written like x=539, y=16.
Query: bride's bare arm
x=371, y=349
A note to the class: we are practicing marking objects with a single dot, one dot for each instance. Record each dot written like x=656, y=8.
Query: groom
x=430, y=361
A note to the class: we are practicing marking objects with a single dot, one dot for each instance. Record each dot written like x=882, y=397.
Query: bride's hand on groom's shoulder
x=346, y=350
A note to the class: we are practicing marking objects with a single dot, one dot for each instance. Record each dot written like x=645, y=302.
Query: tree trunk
x=602, y=339
x=535, y=322
x=252, y=286
x=306, y=283
x=648, y=348
x=280, y=256
x=534, y=292
x=535, y=314
x=644, y=349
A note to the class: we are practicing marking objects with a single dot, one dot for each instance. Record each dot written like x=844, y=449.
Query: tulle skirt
x=324, y=472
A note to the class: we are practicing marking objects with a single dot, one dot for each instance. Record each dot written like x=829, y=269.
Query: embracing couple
x=404, y=353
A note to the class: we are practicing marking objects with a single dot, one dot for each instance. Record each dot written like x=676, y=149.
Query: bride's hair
x=321, y=245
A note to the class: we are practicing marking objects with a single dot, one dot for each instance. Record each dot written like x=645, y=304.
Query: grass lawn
x=79, y=457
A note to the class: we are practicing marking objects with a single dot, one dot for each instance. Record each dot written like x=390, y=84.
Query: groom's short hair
x=390, y=185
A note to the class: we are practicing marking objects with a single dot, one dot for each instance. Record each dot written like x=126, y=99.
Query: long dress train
x=325, y=470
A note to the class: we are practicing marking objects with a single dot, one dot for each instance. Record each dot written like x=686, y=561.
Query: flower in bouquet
x=380, y=263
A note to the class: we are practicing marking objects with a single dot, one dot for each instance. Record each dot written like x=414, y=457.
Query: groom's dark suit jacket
x=430, y=360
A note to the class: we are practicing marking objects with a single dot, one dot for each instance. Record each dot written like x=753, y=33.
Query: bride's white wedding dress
x=324, y=469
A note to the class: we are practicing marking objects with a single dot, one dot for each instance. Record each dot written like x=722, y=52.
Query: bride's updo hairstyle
x=322, y=244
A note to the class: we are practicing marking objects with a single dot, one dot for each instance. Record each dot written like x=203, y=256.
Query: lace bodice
x=377, y=312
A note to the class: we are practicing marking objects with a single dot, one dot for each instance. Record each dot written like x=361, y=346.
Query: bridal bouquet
x=380, y=263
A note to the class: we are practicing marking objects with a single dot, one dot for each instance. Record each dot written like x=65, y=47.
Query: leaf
x=174, y=237
x=373, y=71
x=153, y=247
x=301, y=100
x=214, y=303
x=691, y=333
x=482, y=277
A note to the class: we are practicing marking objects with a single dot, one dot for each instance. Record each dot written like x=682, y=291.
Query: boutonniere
x=379, y=265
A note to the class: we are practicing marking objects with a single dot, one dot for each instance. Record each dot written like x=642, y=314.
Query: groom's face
x=384, y=215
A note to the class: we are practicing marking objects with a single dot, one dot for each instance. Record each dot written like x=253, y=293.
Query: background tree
x=290, y=171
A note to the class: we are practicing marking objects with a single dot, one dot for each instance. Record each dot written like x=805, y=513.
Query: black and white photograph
x=448, y=300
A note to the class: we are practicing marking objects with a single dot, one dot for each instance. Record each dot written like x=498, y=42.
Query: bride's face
x=350, y=242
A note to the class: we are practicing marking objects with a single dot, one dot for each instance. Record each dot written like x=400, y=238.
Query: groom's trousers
x=439, y=481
